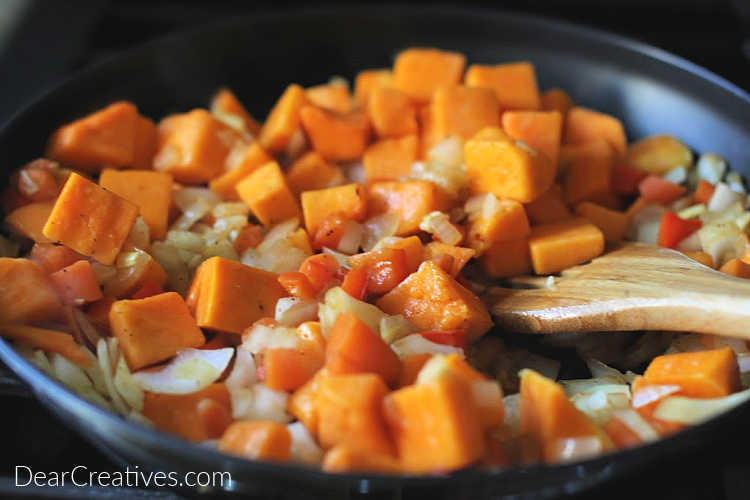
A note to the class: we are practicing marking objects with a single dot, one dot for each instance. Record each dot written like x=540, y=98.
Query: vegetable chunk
x=611, y=222
x=336, y=137
x=348, y=200
x=542, y=130
x=242, y=161
x=392, y=113
x=311, y=172
x=390, y=159
x=257, y=440
x=267, y=194
x=29, y=220
x=410, y=200
x=225, y=103
x=180, y=414
x=283, y=120
x=419, y=72
x=504, y=259
x=584, y=125
x=560, y=245
x=514, y=84
x=463, y=111
x=701, y=374
x=90, y=220
x=48, y=340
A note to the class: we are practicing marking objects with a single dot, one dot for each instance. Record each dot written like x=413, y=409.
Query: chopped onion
x=637, y=424
x=87, y=328
x=395, y=327
x=230, y=120
x=681, y=203
x=103, y=273
x=229, y=208
x=338, y=301
x=188, y=196
x=711, y=167
x=720, y=241
x=168, y=257
x=512, y=415
x=452, y=179
x=677, y=175
x=139, y=236
x=293, y=311
x=574, y=387
x=105, y=363
x=243, y=371
x=36, y=357
x=578, y=448
x=692, y=211
x=69, y=373
x=448, y=152
x=304, y=449
x=724, y=197
x=185, y=240
x=602, y=401
x=599, y=369
x=439, y=225
x=222, y=248
x=190, y=371
x=693, y=411
x=735, y=182
x=645, y=224
x=260, y=403
x=192, y=214
x=417, y=344
x=341, y=258
x=379, y=227
x=127, y=386
x=652, y=393
x=352, y=237
x=262, y=337
x=690, y=244
x=743, y=221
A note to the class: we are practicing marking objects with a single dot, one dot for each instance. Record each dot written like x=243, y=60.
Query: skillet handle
x=10, y=385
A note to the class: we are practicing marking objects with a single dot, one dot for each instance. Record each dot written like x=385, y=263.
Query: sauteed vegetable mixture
x=312, y=289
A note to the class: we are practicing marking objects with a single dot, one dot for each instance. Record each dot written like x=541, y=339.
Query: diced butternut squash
x=390, y=159
x=564, y=244
x=542, y=130
x=336, y=137
x=146, y=143
x=595, y=150
x=514, y=84
x=463, y=111
x=410, y=200
x=180, y=414
x=557, y=100
x=128, y=279
x=153, y=329
x=332, y=96
x=392, y=113
x=432, y=300
x=243, y=160
x=354, y=348
x=29, y=220
x=150, y=191
x=302, y=403
x=549, y=207
x=508, y=222
x=104, y=138
x=347, y=459
x=284, y=120
x=427, y=134
x=612, y=224
x=435, y=425
x=461, y=255
x=226, y=103
x=47, y=340
x=193, y=146
x=504, y=259
x=53, y=257
x=348, y=200
x=350, y=413
x=701, y=374
x=267, y=194
x=658, y=154
x=26, y=294
x=584, y=125
x=288, y=369
x=411, y=365
x=587, y=179
x=548, y=416
x=90, y=220
x=368, y=80
x=508, y=169
x=704, y=258
x=76, y=284
x=311, y=172
x=257, y=440
x=736, y=267
x=414, y=249
x=419, y=72
x=232, y=296
x=384, y=268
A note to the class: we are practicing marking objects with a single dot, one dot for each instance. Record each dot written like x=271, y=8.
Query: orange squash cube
x=549, y=207
x=146, y=143
x=514, y=84
x=736, y=267
x=612, y=223
x=542, y=130
x=392, y=113
x=267, y=194
x=509, y=222
x=410, y=200
x=336, y=137
x=347, y=459
x=587, y=179
x=27, y=294
x=557, y=100
x=332, y=96
x=368, y=80
x=419, y=72
x=564, y=244
x=463, y=111
x=243, y=160
x=257, y=440
x=284, y=120
x=348, y=200
x=180, y=414
x=226, y=103
x=504, y=259
x=702, y=374
x=29, y=220
x=311, y=172
x=584, y=125
x=390, y=159
x=461, y=255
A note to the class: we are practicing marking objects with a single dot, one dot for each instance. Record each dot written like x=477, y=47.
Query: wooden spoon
x=634, y=287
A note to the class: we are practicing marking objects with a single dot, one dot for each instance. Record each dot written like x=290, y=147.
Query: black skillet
x=652, y=91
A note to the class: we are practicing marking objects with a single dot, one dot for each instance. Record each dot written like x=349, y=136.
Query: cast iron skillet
x=652, y=91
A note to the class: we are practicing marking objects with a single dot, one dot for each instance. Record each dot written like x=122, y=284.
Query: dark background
x=44, y=41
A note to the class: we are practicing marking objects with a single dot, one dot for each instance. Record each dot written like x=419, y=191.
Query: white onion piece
x=127, y=387
x=260, y=403
x=723, y=198
x=342, y=259
x=417, y=344
x=439, y=225
x=652, y=393
x=720, y=241
x=379, y=227
x=304, y=449
x=578, y=448
x=690, y=244
x=573, y=387
x=243, y=372
x=189, y=196
x=263, y=337
x=693, y=411
x=599, y=369
x=600, y=403
x=190, y=371
x=711, y=167
x=735, y=182
x=352, y=238
x=105, y=363
x=192, y=214
x=677, y=175
x=692, y=211
x=292, y=311
x=645, y=224
x=395, y=327
x=168, y=257
x=338, y=301
x=186, y=240
x=448, y=152
x=637, y=424
x=278, y=232
x=230, y=208
x=512, y=415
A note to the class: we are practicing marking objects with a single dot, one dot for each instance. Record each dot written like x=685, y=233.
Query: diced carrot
x=106, y=137
x=410, y=200
x=547, y=415
x=736, y=267
x=226, y=103
x=385, y=268
x=414, y=249
x=673, y=229
x=556, y=100
x=336, y=137
x=310, y=172
x=76, y=284
x=330, y=231
x=584, y=125
x=542, y=130
x=184, y=415
x=419, y=72
x=497, y=164
x=463, y=111
x=249, y=236
x=302, y=403
x=48, y=341
x=243, y=160
x=289, y=369
x=355, y=283
x=549, y=207
x=153, y=329
x=53, y=257
x=90, y=220
x=36, y=181
x=332, y=96
x=368, y=80
x=320, y=270
x=702, y=257
x=354, y=348
x=434, y=425
x=348, y=200
x=514, y=84
x=150, y=191
x=657, y=190
x=410, y=368
x=612, y=224
x=703, y=192
x=587, y=179
x=27, y=294
x=392, y=113
x=283, y=120
x=231, y=296
x=350, y=412
x=461, y=255
x=29, y=220
x=700, y=374
x=344, y=458
x=560, y=245
x=508, y=222
x=455, y=338
x=267, y=194
x=504, y=259
x=432, y=300
x=625, y=179
x=257, y=440
x=390, y=159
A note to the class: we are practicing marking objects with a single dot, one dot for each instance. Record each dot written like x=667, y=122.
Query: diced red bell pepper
x=673, y=229
x=329, y=232
x=355, y=283
x=625, y=179
x=657, y=190
x=455, y=338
